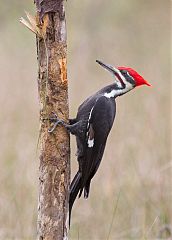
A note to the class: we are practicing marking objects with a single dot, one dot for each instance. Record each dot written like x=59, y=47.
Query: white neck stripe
x=117, y=92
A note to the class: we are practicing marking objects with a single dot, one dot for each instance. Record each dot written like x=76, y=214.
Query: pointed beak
x=108, y=67
x=148, y=84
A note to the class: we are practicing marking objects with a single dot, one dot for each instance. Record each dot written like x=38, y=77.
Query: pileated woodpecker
x=92, y=125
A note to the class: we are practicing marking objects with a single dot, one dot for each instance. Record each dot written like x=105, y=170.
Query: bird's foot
x=54, y=121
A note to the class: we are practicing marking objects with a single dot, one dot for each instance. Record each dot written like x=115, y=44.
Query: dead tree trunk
x=54, y=170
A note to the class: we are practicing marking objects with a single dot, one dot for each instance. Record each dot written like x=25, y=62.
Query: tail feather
x=74, y=189
x=87, y=189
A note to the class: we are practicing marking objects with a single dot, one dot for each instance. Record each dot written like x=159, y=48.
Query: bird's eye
x=125, y=71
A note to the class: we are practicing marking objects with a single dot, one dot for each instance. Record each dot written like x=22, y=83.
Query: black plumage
x=93, y=122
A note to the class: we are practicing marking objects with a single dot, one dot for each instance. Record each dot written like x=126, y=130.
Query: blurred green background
x=137, y=160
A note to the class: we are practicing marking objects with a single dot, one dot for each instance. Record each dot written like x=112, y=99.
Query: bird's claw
x=50, y=130
x=54, y=120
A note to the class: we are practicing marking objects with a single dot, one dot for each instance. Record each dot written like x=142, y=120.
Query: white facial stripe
x=120, y=74
x=129, y=75
x=121, y=89
x=118, y=83
x=128, y=85
x=123, y=78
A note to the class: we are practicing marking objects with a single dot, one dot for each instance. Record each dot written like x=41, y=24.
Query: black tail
x=87, y=188
x=74, y=189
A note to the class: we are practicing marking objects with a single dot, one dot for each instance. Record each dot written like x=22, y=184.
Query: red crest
x=137, y=77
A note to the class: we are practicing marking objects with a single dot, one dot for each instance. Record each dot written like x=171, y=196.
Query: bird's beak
x=148, y=84
x=108, y=67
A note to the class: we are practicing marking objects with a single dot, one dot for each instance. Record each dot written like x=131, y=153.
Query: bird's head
x=126, y=78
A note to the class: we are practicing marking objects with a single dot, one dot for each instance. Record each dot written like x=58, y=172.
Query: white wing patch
x=90, y=143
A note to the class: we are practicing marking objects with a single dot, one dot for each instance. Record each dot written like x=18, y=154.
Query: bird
x=93, y=124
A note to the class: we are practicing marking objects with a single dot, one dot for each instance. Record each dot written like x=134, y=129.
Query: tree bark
x=54, y=169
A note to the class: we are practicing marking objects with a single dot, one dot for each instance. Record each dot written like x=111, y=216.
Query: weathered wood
x=54, y=170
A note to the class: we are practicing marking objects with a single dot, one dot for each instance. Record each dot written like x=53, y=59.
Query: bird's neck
x=114, y=90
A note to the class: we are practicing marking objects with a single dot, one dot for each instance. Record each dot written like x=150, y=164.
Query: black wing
x=100, y=123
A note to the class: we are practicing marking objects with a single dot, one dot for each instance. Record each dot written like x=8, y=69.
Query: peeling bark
x=46, y=6
x=54, y=170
